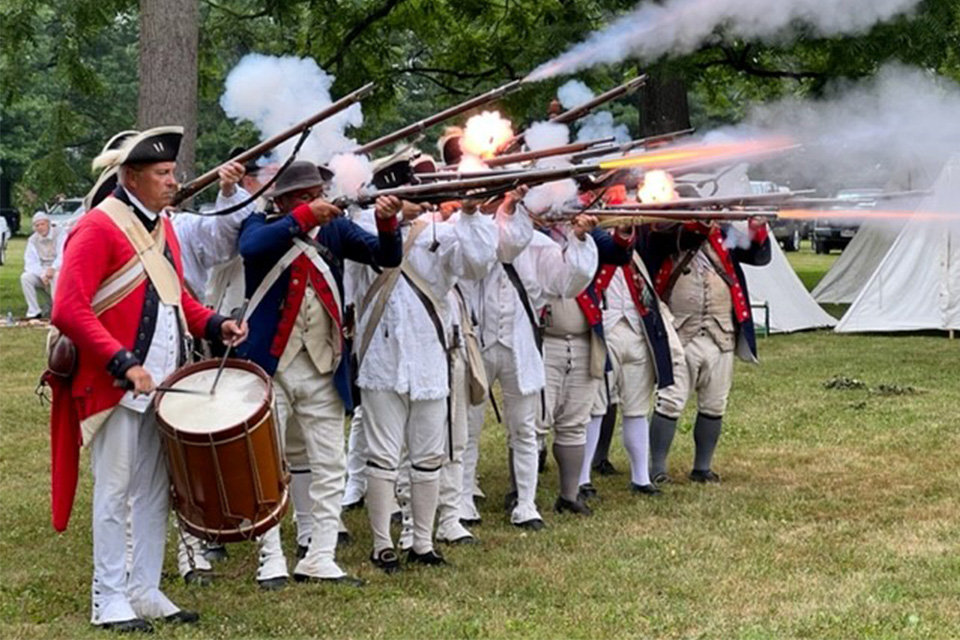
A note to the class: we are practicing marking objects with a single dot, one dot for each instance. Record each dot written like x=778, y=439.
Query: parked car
x=787, y=232
x=4, y=238
x=12, y=217
x=829, y=233
x=64, y=213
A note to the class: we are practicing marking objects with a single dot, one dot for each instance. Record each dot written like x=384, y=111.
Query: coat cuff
x=120, y=363
x=304, y=218
x=625, y=241
x=759, y=233
x=212, y=331
x=387, y=225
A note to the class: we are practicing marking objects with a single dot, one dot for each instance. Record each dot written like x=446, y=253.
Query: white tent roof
x=845, y=279
x=917, y=284
x=776, y=284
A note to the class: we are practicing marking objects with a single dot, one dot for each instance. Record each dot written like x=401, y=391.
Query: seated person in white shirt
x=40, y=264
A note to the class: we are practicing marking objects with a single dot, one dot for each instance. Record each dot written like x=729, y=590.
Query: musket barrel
x=579, y=111
x=436, y=118
x=200, y=183
x=499, y=161
x=632, y=144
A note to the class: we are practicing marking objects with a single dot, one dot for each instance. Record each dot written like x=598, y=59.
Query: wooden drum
x=229, y=479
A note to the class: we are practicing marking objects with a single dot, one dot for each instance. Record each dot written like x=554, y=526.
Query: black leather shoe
x=134, y=625
x=353, y=505
x=661, y=478
x=302, y=551
x=344, y=538
x=215, y=553
x=542, y=461
x=386, y=560
x=273, y=584
x=430, y=558
x=587, y=491
x=644, y=489
x=199, y=577
x=510, y=501
x=345, y=580
x=704, y=476
x=183, y=617
x=604, y=468
x=562, y=505
x=471, y=522
x=534, y=524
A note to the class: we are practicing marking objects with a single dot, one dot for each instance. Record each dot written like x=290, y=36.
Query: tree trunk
x=169, y=31
x=663, y=105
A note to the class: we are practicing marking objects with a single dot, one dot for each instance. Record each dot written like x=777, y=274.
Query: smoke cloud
x=896, y=129
x=593, y=126
x=546, y=135
x=275, y=93
x=551, y=197
x=682, y=26
x=350, y=173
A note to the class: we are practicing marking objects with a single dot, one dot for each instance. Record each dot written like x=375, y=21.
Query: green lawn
x=838, y=517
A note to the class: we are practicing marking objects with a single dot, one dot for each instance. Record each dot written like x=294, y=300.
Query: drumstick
x=226, y=354
x=126, y=384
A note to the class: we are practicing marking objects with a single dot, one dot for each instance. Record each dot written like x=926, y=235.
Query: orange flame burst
x=689, y=154
x=485, y=133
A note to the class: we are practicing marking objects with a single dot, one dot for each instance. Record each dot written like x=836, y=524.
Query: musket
x=786, y=197
x=450, y=170
x=452, y=189
x=446, y=114
x=195, y=186
x=632, y=144
x=571, y=115
x=579, y=111
x=622, y=217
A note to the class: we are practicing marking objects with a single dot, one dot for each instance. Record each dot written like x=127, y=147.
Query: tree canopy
x=70, y=66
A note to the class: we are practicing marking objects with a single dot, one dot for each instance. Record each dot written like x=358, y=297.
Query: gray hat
x=301, y=174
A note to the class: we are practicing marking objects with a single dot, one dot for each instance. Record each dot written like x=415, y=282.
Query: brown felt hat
x=301, y=174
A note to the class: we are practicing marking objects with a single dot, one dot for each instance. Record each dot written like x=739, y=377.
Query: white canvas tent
x=845, y=279
x=917, y=284
x=775, y=285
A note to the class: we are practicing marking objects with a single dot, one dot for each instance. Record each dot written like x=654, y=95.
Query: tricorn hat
x=160, y=144
x=392, y=172
x=301, y=174
x=423, y=163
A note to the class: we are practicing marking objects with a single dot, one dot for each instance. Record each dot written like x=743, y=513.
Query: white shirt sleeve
x=566, y=271
x=516, y=231
x=31, y=259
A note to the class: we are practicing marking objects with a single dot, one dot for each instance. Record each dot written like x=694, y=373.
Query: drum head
x=240, y=395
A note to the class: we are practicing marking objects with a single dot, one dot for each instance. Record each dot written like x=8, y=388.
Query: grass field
x=838, y=517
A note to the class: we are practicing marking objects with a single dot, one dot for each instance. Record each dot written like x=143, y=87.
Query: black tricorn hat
x=395, y=173
x=301, y=174
x=160, y=144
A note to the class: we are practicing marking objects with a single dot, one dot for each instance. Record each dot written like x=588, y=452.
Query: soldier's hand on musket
x=141, y=379
x=412, y=210
x=584, y=224
x=469, y=207
x=513, y=197
x=323, y=211
x=388, y=207
x=230, y=174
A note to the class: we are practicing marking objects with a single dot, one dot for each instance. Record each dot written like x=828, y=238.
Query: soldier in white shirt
x=40, y=264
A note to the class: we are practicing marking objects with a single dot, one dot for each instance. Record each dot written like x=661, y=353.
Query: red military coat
x=96, y=248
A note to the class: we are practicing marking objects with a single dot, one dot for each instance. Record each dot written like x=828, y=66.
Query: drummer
x=128, y=335
x=296, y=317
